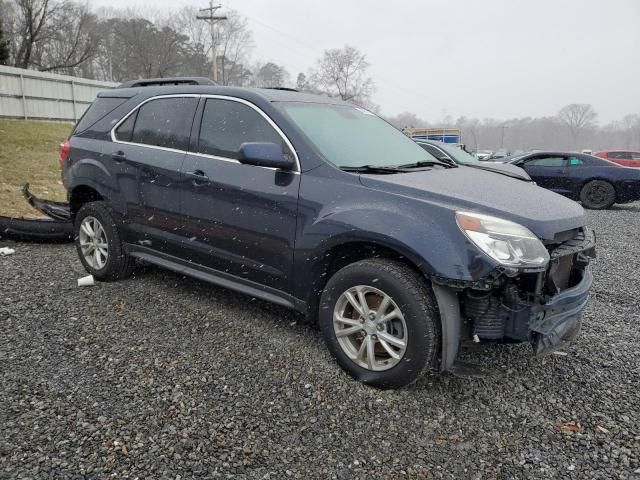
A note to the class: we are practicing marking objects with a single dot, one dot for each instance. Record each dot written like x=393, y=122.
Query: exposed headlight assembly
x=507, y=242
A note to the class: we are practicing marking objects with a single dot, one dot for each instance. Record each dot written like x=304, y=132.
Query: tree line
x=68, y=37
x=574, y=127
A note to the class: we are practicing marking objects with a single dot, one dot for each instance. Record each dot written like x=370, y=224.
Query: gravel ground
x=164, y=377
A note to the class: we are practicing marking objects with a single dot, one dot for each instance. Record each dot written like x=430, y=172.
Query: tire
x=598, y=195
x=36, y=229
x=115, y=265
x=417, y=325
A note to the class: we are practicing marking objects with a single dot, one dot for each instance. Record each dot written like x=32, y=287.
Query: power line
x=315, y=51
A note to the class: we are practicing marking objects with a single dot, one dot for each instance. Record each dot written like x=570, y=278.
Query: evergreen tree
x=4, y=47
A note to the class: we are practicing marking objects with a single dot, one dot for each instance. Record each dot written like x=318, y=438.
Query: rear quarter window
x=100, y=108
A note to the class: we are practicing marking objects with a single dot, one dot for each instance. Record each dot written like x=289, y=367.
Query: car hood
x=543, y=212
x=501, y=168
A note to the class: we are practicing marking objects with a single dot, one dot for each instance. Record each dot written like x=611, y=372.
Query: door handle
x=198, y=178
x=118, y=156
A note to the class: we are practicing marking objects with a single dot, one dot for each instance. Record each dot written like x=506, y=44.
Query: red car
x=625, y=158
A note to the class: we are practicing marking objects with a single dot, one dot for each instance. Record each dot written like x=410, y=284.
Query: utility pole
x=504, y=126
x=211, y=18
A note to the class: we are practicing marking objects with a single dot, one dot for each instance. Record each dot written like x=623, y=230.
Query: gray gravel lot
x=164, y=377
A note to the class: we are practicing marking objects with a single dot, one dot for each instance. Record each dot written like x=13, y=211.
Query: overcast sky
x=488, y=58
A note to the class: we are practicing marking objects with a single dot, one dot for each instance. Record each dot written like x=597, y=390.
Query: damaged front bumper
x=559, y=319
x=543, y=308
x=56, y=226
x=59, y=211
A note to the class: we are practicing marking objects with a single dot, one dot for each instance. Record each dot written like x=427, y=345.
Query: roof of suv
x=271, y=95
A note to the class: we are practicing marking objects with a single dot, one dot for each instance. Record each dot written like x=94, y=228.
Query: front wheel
x=379, y=320
x=598, y=195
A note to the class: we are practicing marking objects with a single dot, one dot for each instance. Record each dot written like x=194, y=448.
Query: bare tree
x=70, y=40
x=343, y=73
x=31, y=23
x=631, y=126
x=407, y=120
x=233, y=43
x=578, y=117
x=470, y=128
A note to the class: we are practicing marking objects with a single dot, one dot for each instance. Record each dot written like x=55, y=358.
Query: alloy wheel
x=93, y=243
x=370, y=328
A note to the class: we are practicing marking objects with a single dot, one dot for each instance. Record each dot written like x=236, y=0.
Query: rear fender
x=92, y=173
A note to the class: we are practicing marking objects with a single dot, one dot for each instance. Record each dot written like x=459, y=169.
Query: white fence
x=30, y=94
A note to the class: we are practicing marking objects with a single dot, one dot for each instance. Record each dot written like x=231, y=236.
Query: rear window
x=100, y=108
x=620, y=155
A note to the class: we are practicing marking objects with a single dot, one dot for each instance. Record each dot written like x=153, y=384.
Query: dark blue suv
x=323, y=207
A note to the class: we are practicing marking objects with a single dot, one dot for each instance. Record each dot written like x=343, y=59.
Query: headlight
x=506, y=242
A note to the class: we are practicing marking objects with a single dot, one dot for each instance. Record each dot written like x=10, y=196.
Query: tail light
x=64, y=152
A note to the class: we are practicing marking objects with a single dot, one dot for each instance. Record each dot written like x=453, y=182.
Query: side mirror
x=263, y=154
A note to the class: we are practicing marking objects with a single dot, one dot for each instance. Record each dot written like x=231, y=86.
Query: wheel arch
x=81, y=194
x=339, y=255
x=613, y=183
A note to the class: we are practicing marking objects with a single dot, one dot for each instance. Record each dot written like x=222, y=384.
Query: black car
x=323, y=207
x=596, y=182
x=445, y=152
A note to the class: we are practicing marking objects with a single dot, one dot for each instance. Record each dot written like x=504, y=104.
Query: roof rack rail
x=286, y=89
x=155, y=82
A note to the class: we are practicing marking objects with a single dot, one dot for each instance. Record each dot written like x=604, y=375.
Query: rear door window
x=125, y=130
x=163, y=122
x=547, y=162
x=227, y=124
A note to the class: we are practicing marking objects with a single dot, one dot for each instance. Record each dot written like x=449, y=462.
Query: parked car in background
x=323, y=207
x=628, y=158
x=597, y=183
x=499, y=154
x=451, y=153
x=484, y=154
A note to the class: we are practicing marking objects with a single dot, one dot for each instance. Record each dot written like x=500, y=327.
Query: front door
x=548, y=171
x=241, y=219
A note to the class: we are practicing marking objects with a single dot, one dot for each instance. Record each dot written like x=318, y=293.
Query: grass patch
x=29, y=153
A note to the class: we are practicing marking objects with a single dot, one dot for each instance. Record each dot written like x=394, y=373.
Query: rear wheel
x=98, y=243
x=379, y=320
x=598, y=195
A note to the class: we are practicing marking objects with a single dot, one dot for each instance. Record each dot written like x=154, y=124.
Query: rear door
x=148, y=151
x=548, y=171
x=241, y=219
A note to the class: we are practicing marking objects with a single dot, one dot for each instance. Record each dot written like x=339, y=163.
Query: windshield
x=348, y=136
x=458, y=154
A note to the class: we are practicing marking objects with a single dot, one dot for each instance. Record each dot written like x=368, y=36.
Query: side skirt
x=215, y=277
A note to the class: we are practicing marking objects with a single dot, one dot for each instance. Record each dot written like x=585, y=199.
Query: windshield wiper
x=429, y=163
x=375, y=169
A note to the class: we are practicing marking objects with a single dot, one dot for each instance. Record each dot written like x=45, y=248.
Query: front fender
x=432, y=242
